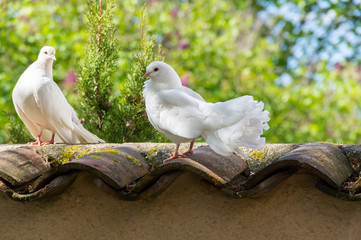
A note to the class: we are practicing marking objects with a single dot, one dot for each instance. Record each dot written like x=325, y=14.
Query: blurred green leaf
x=221, y=49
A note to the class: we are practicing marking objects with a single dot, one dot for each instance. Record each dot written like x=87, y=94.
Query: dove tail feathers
x=78, y=134
x=245, y=132
x=216, y=143
x=84, y=136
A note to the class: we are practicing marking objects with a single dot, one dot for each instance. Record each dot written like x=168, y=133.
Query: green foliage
x=326, y=110
x=16, y=131
x=99, y=62
x=136, y=126
x=220, y=48
x=117, y=118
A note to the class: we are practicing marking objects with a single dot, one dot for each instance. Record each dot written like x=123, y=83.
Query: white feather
x=182, y=115
x=42, y=106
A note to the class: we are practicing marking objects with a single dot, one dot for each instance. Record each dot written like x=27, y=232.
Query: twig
x=142, y=36
x=100, y=25
x=96, y=89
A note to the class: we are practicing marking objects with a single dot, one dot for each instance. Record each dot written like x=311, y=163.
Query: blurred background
x=301, y=58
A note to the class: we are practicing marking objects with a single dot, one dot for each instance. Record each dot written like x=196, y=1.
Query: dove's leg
x=38, y=141
x=175, y=155
x=51, y=141
x=190, y=150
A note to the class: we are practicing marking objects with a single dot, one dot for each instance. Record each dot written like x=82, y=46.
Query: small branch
x=142, y=36
x=99, y=25
x=96, y=89
x=100, y=119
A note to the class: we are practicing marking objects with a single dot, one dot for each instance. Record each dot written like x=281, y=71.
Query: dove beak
x=53, y=57
x=146, y=75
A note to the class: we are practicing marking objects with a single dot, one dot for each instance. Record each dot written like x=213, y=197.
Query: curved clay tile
x=135, y=171
x=117, y=167
x=323, y=160
x=23, y=164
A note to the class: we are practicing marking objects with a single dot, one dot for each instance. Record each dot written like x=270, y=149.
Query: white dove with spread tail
x=182, y=115
x=43, y=108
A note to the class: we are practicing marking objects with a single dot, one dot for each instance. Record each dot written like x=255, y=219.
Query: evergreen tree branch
x=94, y=81
x=100, y=25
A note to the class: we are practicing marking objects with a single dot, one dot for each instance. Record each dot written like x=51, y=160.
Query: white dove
x=43, y=108
x=182, y=115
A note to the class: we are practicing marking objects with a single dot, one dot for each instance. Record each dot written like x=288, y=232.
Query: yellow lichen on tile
x=83, y=153
x=151, y=153
x=109, y=150
x=258, y=155
x=115, y=160
x=95, y=156
x=74, y=152
x=67, y=154
x=134, y=160
x=334, y=144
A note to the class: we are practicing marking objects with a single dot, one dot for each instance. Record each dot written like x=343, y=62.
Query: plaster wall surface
x=189, y=209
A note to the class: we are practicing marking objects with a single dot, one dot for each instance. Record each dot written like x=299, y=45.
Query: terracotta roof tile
x=20, y=165
x=135, y=171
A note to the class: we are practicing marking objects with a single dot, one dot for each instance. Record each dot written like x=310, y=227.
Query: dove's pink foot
x=38, y=142
x=48, y=143
x=171, y=158
x=190, y=150
x=51, y=141
x=175, y=155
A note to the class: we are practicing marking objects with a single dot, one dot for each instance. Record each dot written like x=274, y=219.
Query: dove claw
x=38, y=141
x=175, y=155
x=35, y=143
x=48, y=143
x=190, y=152
x=51, y=140
x=171, y=158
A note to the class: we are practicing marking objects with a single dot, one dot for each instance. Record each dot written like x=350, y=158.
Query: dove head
x=163, y=75
x=47, y=54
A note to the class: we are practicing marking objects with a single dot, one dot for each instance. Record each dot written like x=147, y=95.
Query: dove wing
x=180, y=112
x=191, y=93
x=28, y=123
x=54, y=106
x=187, y=113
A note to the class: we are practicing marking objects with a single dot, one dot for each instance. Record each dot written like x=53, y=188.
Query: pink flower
x=69, y=80
x=183, y=44
x=338, y=67
x=174, y=12
x=185, y=79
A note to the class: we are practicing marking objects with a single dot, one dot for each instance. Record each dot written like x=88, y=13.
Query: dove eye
x=155, y=69
x=46, y=52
